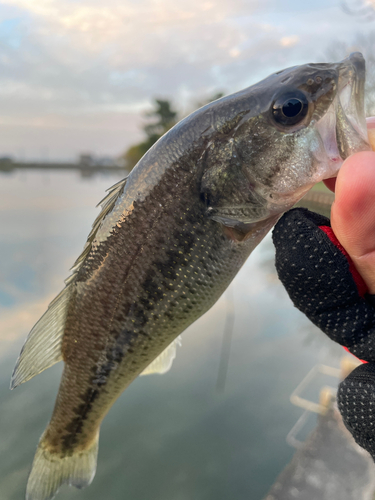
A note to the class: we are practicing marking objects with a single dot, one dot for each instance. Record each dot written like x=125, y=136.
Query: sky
x=78, y=75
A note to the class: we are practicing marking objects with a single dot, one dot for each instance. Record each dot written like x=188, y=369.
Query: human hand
x=331, y=280
x=353, y=212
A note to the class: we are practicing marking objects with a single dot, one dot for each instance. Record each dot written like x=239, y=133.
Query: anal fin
x=163, y=363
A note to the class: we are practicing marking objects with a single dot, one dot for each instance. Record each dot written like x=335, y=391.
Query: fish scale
x=150, y=292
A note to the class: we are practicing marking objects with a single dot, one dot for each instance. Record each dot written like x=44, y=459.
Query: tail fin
x=50, y=471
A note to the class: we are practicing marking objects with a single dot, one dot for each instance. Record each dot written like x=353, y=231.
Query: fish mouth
x=343, y=128
x=351, y=129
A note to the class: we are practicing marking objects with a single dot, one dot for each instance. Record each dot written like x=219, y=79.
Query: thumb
x=353, y=213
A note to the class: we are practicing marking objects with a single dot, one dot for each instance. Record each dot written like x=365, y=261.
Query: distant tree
x=164, y=119
x=364, y=43
x=165, y=116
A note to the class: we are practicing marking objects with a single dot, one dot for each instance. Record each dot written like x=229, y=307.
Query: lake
x=214, y=426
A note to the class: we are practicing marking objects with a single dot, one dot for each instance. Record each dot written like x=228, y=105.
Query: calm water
x=170, y=437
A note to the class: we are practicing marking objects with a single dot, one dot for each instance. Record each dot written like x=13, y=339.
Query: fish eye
x=290, y=108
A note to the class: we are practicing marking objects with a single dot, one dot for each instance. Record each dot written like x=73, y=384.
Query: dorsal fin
x=42, y=347
x=107, y=204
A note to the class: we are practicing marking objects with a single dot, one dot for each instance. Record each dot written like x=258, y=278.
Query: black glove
x=323, y=283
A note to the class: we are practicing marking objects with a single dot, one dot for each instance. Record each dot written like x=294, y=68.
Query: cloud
x=289, y=41
x=78, y=53
x=82, y=62
x=18, y=321
x=96, y=27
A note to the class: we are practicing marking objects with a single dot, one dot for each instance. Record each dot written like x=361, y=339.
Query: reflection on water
x=170, y=437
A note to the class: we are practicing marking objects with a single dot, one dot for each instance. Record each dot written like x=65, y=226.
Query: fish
x=171, y=237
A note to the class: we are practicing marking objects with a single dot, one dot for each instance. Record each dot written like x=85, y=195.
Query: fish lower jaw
x=281, y=202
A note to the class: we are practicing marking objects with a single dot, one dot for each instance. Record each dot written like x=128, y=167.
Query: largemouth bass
x=171, y=237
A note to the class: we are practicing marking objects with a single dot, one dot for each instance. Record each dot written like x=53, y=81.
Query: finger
x=353, y=213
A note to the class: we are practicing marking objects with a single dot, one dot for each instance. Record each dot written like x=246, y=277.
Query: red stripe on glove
x=361, y=285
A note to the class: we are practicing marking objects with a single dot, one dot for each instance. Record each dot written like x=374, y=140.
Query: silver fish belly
x=171, y=238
